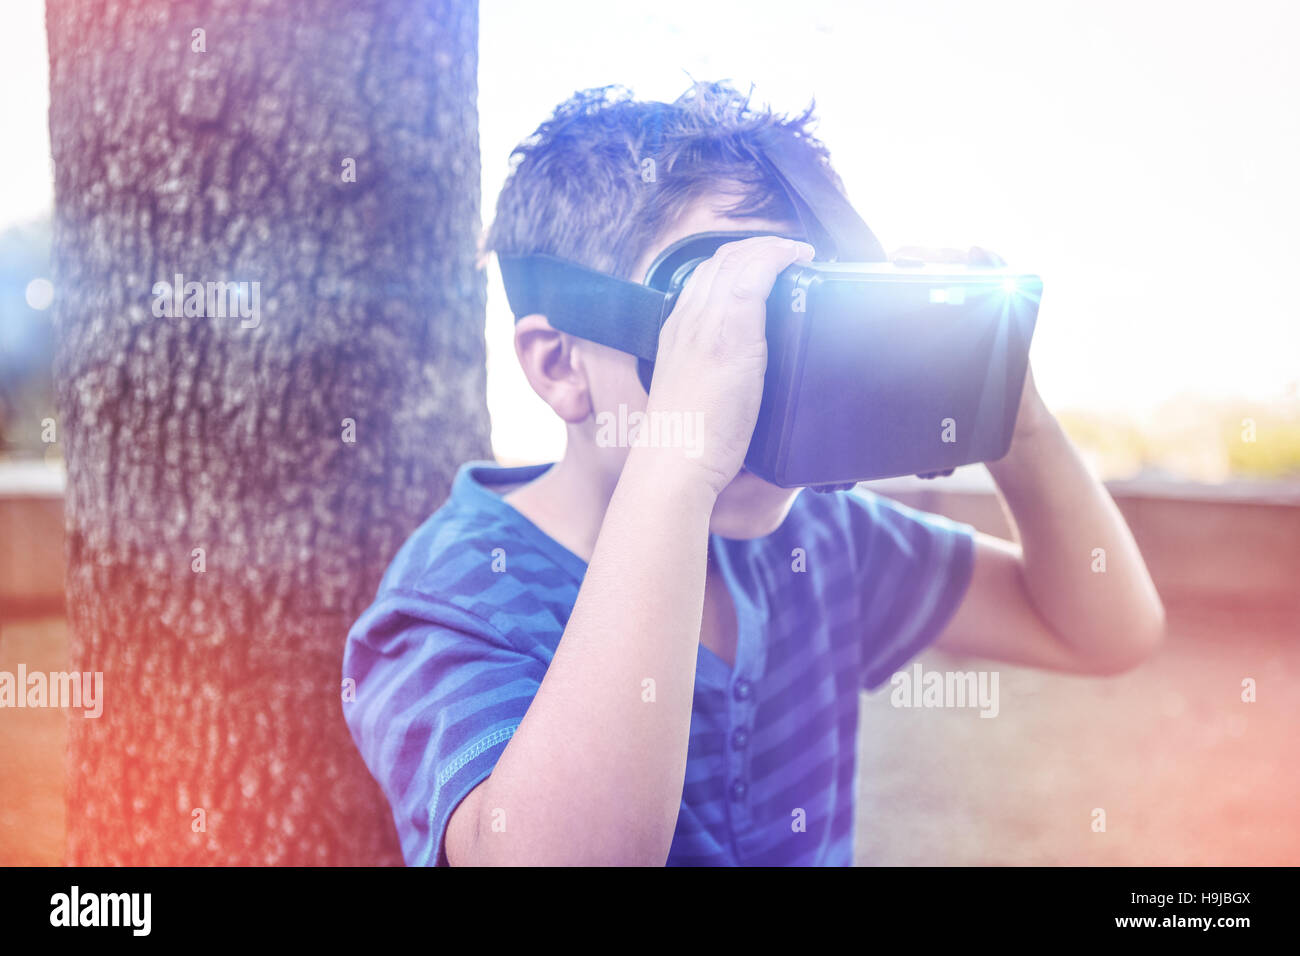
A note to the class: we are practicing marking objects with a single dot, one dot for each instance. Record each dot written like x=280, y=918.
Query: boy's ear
x=551, y=365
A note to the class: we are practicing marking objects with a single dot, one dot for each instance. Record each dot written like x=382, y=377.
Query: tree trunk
x=297, y=442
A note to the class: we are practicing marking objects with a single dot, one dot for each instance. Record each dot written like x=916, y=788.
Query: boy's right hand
x=713, y=351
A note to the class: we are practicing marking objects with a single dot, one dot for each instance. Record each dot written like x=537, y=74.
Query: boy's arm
x=1074, y=593
x=594, y=773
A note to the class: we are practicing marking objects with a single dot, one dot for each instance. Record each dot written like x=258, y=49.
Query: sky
x=26, y=173
x=1140, y=156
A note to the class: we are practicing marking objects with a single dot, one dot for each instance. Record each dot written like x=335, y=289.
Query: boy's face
x=749, y=507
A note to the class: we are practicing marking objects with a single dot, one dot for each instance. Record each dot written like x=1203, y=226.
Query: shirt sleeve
x=438, y=695
x=912, y=571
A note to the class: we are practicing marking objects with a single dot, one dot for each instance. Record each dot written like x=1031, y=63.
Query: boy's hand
x=1032, y=414
x=972, y=256
x=713, y=351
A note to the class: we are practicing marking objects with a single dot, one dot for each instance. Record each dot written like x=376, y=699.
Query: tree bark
x=223, y=157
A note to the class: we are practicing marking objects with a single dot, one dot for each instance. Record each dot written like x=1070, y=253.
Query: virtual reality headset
x=875, y=369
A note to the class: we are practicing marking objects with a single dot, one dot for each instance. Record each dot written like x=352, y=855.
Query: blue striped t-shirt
x=845, y=592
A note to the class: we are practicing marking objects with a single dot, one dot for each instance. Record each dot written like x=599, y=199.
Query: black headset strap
x=591, y=305
x=628, y=315
x=833, y=226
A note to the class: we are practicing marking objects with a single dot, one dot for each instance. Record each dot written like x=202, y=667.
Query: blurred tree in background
x=236, y=488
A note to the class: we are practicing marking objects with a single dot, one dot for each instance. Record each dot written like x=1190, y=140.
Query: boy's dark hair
x=606, y=174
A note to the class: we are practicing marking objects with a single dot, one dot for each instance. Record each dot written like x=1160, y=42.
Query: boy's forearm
x=1081, y=567
x=594, y=773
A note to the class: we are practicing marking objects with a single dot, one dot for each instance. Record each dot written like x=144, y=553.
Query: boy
x=614, y=659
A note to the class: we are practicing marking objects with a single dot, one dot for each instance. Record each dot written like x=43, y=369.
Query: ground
x=1186, y=772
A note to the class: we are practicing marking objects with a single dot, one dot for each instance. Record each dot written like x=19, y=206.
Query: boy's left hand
x=970, y=256
x=1037, y=601
x=1033, y=413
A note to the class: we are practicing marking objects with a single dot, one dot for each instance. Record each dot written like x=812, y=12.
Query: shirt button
x=738, y=790
x=742, y=690
x=739, y=739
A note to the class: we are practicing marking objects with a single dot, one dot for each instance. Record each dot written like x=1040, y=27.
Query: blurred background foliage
x=26, y=341
x=1188, y=437
x=1193, y=439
